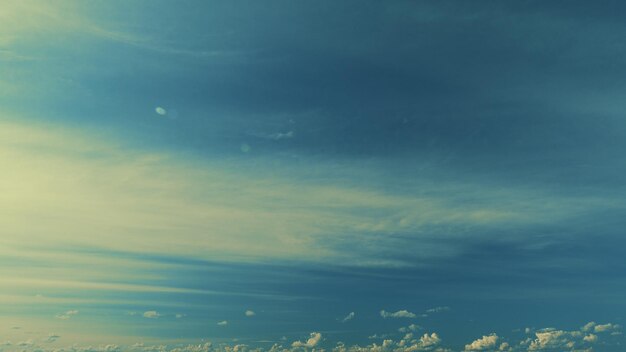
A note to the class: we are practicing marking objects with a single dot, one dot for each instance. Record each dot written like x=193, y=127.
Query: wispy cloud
x=399, y=314
x=348, y=317
x=67, y=315
x=123, y=198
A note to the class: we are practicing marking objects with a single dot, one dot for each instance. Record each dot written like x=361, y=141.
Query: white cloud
x=161, y=111
x=546, y=340
x=412, y=327
x=484, y=343
x=551, y=339
x=313, y=341
x=223, y=323
x=589, y=326
x=250, y=313
x=348, y=317
x=427, y=341
x=67, y=315
x=590, y=338
x=151, y=314
x=179, y=316
x=399, y=314
x=438, y=309
x=605, y=327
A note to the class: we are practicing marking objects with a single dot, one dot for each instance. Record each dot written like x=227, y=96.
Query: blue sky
x=356, y=175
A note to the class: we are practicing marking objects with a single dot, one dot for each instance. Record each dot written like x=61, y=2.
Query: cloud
x=591, y=338
x=438, y=309
x=179, y=315
x=552, y=339
x=487, y=342
x=348, y=317
x=428, y=341
x=589, y=326
x=412, y=327
x=134, y=198
x=161, y=111
x=274, y=136
x=151, y=314
x=605, y=327
x=67, y=315
x=594, y=327
x=222, y=323
x=399, y=314
x=250, y=313
x=313, y=341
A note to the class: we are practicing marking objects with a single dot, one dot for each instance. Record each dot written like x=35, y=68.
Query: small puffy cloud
x=399, y=314
x=591, y=338
x=179, y=316
x=250, y=313
x=67, y=315
x=223, y=323
x=428, y=341
x=412, y=327
x=487, y=342
x=314, y=340
x=605, y=327
x=589, y=326
x=160, y=110
x=551, y=339
x=348, y=317
x=151, y=314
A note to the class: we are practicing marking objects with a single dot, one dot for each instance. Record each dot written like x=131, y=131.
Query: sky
x=285, y=176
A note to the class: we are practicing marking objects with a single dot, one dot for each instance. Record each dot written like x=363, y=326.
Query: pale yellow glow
x=69, y=188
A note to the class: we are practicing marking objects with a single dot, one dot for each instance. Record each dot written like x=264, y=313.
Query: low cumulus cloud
x=313, y=341
x=151, y=314
x=399, y=314
x=542, y=340
x=222, y=323
x=484, y=343
x=564, y=340
x=250, y=313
